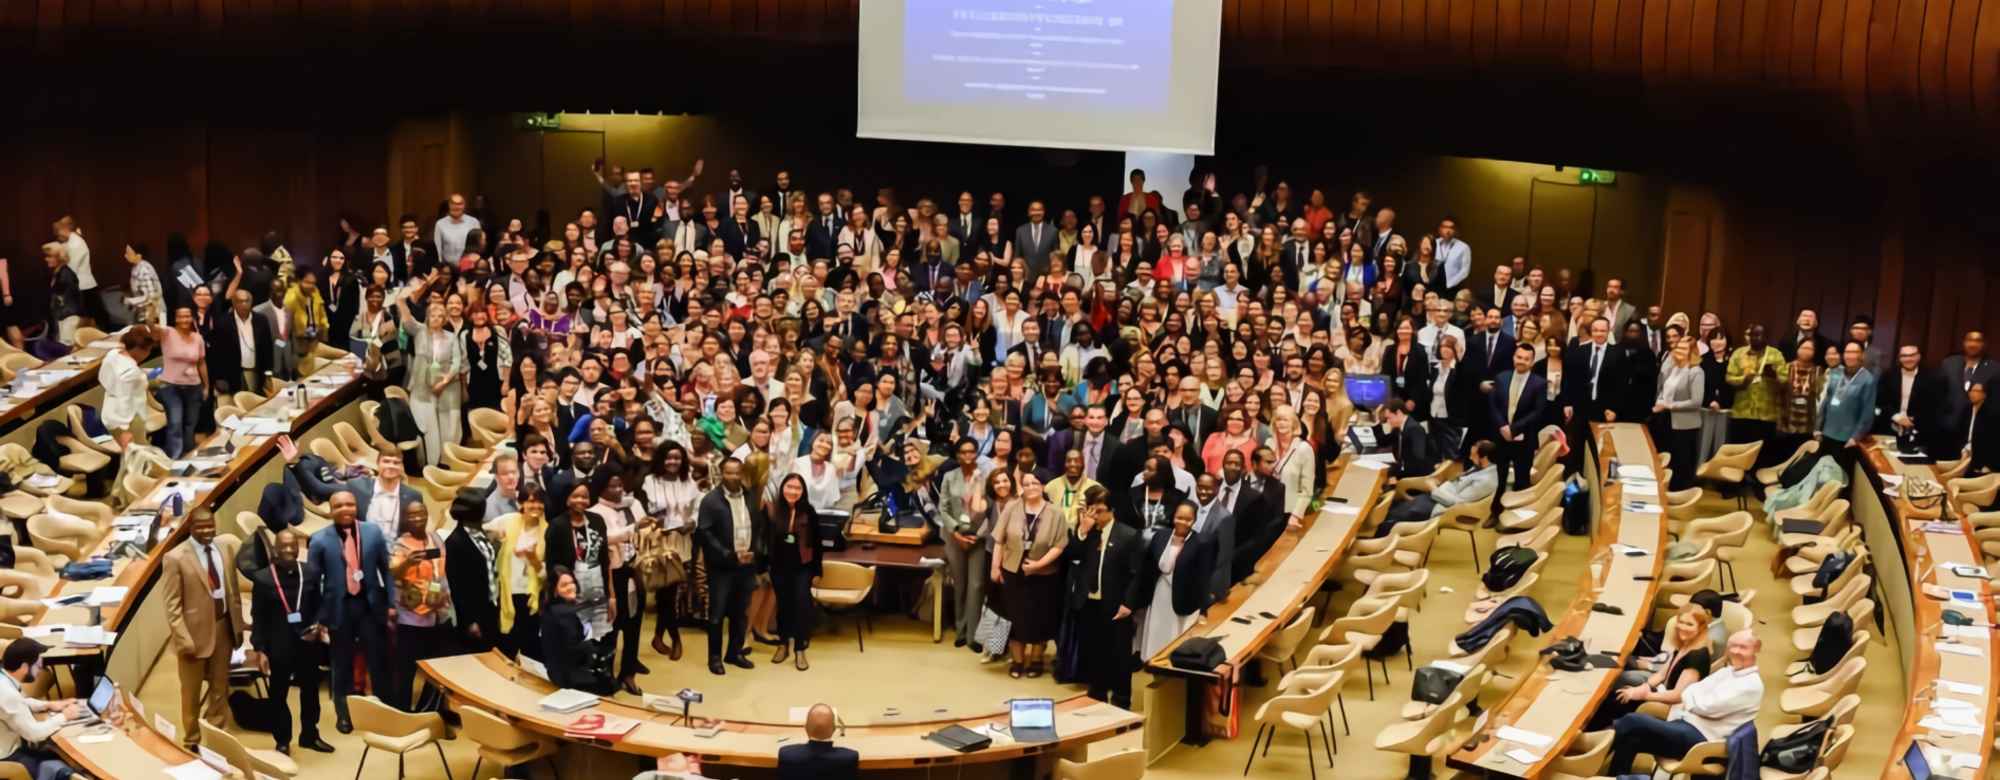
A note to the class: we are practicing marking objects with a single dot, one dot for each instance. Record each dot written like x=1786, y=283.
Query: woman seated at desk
x=567, y=643
x=1687, y=663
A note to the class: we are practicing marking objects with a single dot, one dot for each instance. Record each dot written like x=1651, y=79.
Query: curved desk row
x=1290, y=574
x=1930, y=549
x=1556, y=704
x=141, y=622
x=492, y=683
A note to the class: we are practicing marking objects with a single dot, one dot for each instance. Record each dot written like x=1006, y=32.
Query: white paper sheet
x=1959, y=649
x=1962, y=689
x=193, y=770
x=1523, y=736
x=1523, y=756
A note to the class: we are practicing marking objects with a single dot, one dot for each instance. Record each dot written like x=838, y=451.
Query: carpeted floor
x=902, y=668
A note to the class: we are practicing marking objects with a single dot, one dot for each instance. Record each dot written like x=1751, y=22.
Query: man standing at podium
x=205, y=616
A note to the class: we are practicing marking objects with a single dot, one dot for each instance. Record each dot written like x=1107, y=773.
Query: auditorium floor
x=901, y=667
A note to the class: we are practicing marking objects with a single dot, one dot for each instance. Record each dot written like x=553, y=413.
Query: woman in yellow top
x=308, y=310
x=521, y=537
x=1066, y=491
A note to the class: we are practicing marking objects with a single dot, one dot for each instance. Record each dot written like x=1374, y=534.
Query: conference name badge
x=293, y=618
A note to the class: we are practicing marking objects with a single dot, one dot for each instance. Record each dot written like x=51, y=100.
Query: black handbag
x=1200, y=654
x=1567, y=655
x=1798, y=751
x=1434, y=684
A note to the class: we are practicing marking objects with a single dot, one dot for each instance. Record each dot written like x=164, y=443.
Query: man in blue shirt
x=1847, y=409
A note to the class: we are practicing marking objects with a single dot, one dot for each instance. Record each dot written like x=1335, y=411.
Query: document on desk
x=1523, y=756
x=1962, y=689
x=89, y=635
x=1936, y=723
x=1523, y=736
x=193, y=770
x=1635, y=471
x=37, y=632
x=568, y=700
x=1959, y=649
x=106, y=595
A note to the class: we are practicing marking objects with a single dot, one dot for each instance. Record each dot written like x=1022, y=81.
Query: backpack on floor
x=1576, y=510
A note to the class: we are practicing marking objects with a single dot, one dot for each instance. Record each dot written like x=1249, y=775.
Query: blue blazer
x=325, y=553
x=1533, y=408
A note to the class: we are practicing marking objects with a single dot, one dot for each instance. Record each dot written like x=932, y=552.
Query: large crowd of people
x=1106, y=414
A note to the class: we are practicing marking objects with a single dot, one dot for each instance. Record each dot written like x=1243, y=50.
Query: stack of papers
x=1959, y=649
x=1523, y=736
x=1936, y=723
x=89, y=635
x=106, y=595
x=568, y=700
x=193, y=770
x=1634, y=471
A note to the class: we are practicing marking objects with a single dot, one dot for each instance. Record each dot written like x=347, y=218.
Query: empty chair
x=225, y=411
x=1728, y=532
x=75, y=414
x=1683, y=578
x=1705, y=759
x=1729, y=466
x=1392, y=587
x=70, y=537
x=1545, y=456
x=504, y=743
x=1973, y=492
x=86, y=335
x=489, y=427
x=1425, y=739
x=1122, y=765
x=1861, y=613
x=1804, y=587
x=1410, y=541
x=1467, y=692
x=350, y=442
x=1306, y=712
x=844, y=585
x=1805, y=676
x=1322, y=661
x=1817, y=699
x=1586, y=756
x=1544, y=510
x=1366, y=630
x=269, y=762
x=1952, y=469
x=1513, y=499
x=248, y=400
x=1681, y=506
x=1284, y=643
x=385, y=728
x=80, y=458
x=1539, y=539
x=1467, y=517
x=373, y=426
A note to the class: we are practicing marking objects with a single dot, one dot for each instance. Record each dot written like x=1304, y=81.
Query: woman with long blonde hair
x=1296, y=466
x=1677, y=410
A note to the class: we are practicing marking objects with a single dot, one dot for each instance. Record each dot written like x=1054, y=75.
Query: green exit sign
x=1595, y=176
x=538, y=121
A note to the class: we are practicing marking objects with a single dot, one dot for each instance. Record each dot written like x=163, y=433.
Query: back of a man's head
x=819, y=723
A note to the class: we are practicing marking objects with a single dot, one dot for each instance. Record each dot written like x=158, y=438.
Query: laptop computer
x=1032, y=720
x=100, y=702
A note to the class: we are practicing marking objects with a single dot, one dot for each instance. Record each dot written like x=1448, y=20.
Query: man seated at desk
x=1476, y=484
x=19, y=729
x=818, y=758
x=1708, y=711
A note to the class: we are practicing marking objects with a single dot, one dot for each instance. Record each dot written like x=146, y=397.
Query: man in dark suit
x=1411, y=447
x=818, y=758
x=1591, y=389
x=1106, y=568
x=1518, y=403
x=284, y=357
x=1960, y=373
x=1805, y=327
x=965, y=222
x=737, y=189
x=402, y=251
x=1217, y=526
x=824, y=230
x=353, y=560
x=282, y=605
x=1258, y=524
x=1032, y=347
x=636, y=206
x=1296, y=252
x=225, y=352
x=1909, y=401
x=1034, y=241
x=1198, y=419
x=1502, y=294
x=1491, y=352
x=1096, y=445
x=730, y=529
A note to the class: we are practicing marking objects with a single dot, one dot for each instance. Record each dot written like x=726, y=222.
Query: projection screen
x=1122, y=75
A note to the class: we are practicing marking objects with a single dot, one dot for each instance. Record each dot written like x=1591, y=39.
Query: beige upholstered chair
x=1424, y=739
x=843, y=585
x=1122, y=765
x=1306, y=712
x=504, y=743
x=388, y=729
x=1812, y=701
x=1769, y=476
x=1708, y=759
x=489, y=427
x=247, y=760
x=1730, y=465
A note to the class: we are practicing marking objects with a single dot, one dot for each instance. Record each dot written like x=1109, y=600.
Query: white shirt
x=1909, y=383
x=1428, y=337
x=1457, y=258
x=17, y=718
x=1438, y=406
x=246, y=337
x=822, y=490
x=383, y=510
x=1721, y=702
x=79, y=262
x=739, y=521
x=124, y=389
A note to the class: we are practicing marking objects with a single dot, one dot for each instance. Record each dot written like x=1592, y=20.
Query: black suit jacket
x=735, y=237
x=1123, y=582
x=1416, y=369
x=1532, y=410
x=817, y=760
x=1489, y=365
x=471, y=587
x=1484, y=294
x=1984, y=437
x=1107, y=446
x=225, y=351
x=1576, y=381
x=1461, y=394
x=715, y=530
x=1258, y=524
x=820, y=238
x=639, y=217
x=1193, y=568
x=1128, y=506
x=1956, y=381
x=271, y=633
x=1200, y=422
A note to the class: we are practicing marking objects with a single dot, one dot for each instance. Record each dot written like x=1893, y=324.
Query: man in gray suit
x=1961, y=372
x=1033, y=242
x=947, y=245
x=1213, y=519
x=284, y=359
x=1616, y=307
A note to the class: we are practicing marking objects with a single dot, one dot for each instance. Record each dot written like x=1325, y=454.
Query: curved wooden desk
x=58, y=394
x=1287, y=576
x=492, y=683
x=1929, y=547
x=142, y=752
x=1558, y=708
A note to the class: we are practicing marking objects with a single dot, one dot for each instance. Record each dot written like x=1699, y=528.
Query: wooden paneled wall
x=220, y=182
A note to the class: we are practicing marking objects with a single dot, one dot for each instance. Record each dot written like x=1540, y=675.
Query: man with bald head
x=1186, y=410
x=352, y=558
x=818, y=758
x=1707, y=711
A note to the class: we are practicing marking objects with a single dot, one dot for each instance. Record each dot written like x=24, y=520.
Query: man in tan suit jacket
x=205, y=613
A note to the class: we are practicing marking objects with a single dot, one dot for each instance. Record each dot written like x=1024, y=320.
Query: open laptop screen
x=1033, y=713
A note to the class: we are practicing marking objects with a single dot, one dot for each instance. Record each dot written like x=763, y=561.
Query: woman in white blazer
x=1295, y=463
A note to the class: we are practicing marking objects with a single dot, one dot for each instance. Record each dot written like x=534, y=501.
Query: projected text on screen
x=1058, y=54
